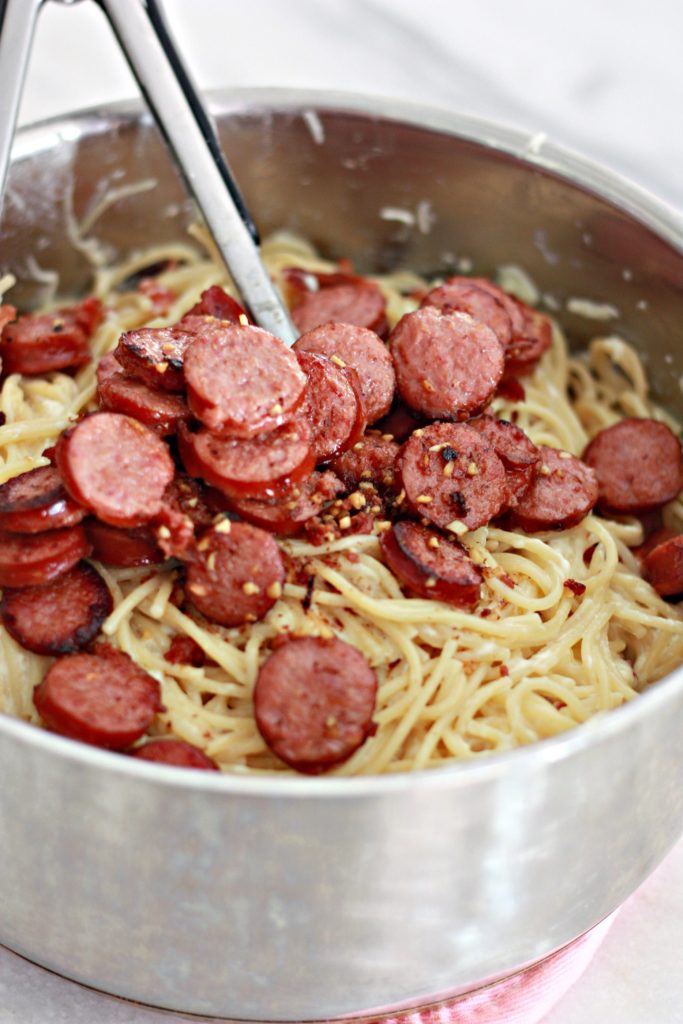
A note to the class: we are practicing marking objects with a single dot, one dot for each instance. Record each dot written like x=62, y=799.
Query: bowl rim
x=530, y=148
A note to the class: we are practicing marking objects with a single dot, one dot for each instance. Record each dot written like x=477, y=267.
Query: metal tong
x=144, y=37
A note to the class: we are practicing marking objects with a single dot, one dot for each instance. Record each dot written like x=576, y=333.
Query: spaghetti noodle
x=539, y=654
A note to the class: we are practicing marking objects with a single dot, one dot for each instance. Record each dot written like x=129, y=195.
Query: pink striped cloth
x=523, y=998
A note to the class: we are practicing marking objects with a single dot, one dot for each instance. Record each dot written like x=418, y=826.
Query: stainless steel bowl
x=297, y=898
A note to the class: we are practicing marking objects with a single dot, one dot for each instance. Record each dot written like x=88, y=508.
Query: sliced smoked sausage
x=448, y=365
x=358, y=302
x=333, y=405
x=104, y=699
x=431, y=564
x=362, y=350
x=161, y=411
x=638, y=463
x=107, y=367
x=36, y=501
x=156, y=355
x=458, y=293
x=370, y=460
x=174, y=752
x=287, y=515
x=314, y=699
x=116, y=467
x=524, y=350
x=185, y=509
x=113, y=545
x=451, y=475
x=236, y=575
x=30, y=559
x=61, y=616
x=265, y=466
x=43, y=342
x=216, y=302
x=511, y=305
x=563, y=491
x=515, y=450
x=663, y=567
x=241, y=380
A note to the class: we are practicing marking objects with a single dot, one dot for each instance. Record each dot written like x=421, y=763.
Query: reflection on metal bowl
x=299, y=898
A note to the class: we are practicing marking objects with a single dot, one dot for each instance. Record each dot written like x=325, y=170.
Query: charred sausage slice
x=185, y=509
x=104, y=699
x=448, y=365
x=333, y=405
x=242, y=381
x=515, y=450
x=37, y=501
x=430, y=564
x=265, y=466
x=663, y=567
x=237, y=574
x=361, y=349
x=116, y=467
x=174, y=752
x=287, y=515
x=155, y=355
x=370, y=460
x=562, y=493
x=451, y=476
x=59, y=617
x=28, y=560
x=42, y=342
x=638, y=463
x=313, y=701
x=161, y=411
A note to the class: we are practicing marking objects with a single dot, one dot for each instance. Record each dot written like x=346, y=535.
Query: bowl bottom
x=521, y=998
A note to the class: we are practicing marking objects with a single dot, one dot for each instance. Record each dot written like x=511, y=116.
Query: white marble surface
x=604, y=78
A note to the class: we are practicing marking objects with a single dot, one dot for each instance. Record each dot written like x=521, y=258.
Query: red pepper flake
x=588, y=554
x=484, y=613
x=504, y=670
x=512, y=389
x=575, y=587
x=185, y=651
x=507, y=580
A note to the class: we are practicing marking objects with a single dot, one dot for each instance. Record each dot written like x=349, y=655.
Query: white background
x=602, y=76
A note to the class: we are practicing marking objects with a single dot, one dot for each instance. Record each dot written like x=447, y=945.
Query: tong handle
x=175, y=103
x=144, y=37
x=17, y=23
